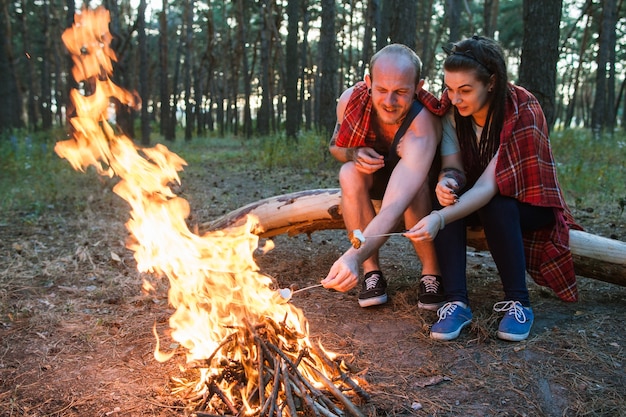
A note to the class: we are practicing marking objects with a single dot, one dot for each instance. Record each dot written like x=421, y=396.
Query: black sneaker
x=374, y=291
x=430, y=295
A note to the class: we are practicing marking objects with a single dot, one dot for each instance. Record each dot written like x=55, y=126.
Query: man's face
x=393, y=88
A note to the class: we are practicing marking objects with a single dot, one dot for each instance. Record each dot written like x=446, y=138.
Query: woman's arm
x=476, y=197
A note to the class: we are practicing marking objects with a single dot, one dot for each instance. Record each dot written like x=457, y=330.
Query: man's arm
x=417, y=150
x=341, y=154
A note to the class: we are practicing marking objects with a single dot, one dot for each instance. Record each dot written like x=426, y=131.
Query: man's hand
x=343, y=275
x=367, y=160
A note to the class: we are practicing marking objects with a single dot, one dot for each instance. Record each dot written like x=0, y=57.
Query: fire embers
x=267, y=370
x=356, y=238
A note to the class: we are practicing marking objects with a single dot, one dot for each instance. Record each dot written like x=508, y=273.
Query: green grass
x=34, y=179
x=591, y=172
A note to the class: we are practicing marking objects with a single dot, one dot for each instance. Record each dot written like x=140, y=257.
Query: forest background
x=268, y=67
x=245, y=92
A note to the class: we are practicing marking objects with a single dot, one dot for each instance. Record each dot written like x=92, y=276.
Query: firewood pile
x=266, y=369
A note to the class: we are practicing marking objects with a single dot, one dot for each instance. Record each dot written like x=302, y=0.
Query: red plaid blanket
x=354, y=129
x=526, y=171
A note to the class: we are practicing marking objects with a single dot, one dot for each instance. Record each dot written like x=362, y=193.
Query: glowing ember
x=247, y=347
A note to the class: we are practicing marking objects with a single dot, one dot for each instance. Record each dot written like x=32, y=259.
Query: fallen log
x=308, y=211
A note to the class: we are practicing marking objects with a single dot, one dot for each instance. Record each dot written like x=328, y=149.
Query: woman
x=512, y=190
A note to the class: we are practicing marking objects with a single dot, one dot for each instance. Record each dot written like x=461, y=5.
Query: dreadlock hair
x=485, y=58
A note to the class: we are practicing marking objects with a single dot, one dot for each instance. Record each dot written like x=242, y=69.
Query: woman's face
x=468, y=94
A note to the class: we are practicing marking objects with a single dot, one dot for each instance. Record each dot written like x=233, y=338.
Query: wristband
x=455, y=174
x=442, y=221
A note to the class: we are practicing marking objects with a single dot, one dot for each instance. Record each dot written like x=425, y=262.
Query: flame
x=215, y=284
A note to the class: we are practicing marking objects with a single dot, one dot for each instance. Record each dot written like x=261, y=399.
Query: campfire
x=248, y=350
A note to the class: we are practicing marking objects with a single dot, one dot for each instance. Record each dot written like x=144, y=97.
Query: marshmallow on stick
x=356, y=238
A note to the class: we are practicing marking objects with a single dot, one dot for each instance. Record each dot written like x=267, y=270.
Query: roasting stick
x=287, y=293
x=357, y=238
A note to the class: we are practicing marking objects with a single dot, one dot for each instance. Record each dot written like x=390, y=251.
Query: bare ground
x=76, y=330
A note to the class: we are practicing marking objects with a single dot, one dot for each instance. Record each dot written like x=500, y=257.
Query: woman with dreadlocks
x=504, y=178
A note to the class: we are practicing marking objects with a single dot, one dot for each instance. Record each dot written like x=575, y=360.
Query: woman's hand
x=446, y=190
x=426, y=229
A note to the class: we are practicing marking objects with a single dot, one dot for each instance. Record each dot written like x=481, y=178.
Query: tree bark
x=10, y=101
x=328, y=69
x=144, y=78
x=242, y=50
x=189, y=4
x=291, y=73
x=540, y=52
x=490, y=17
x=601, y=105
x=453, y=14
x=403, y=22
x=164, y=87
x=263, y=115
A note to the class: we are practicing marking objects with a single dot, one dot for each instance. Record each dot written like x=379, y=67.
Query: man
x=370, y=115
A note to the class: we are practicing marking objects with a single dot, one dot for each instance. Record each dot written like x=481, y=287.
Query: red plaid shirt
x=525, y=170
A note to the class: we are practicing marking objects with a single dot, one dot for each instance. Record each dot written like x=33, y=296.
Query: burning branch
x=272, y=376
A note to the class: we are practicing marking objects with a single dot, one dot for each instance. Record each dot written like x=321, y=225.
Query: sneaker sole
x=512, y=337
x=374, y=301
x=431, y=307
x=451, y=335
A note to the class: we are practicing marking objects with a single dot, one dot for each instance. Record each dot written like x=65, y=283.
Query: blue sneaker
x=516, y=323
x=452, y=318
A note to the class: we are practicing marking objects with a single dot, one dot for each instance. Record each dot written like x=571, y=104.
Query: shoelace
x=371, y=281
x=446, y=310
x=430, y=284
x=514, y=308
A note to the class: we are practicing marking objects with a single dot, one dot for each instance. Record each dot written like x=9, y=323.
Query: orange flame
x=215, y=284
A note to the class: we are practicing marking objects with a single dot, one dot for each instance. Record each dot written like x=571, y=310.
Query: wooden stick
x=216, y=390
x=271, y=400
x=291, y=405
x=337, y=394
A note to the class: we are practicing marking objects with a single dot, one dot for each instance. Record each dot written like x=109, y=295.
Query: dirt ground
x=76, y=330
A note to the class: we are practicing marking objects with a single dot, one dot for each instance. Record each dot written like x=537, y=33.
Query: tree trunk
x=305, y=85
x=29, y=74
x=540, y=52
x=144, y=80
x=189, y=4
x=601, y=105
x=368, y=50
x=571, y=107
x=45, y=97
x=313, y=210
x=10, y=102
x=490, y=17
x=424, y=24
x=164, y=87
x=245, y=70
x=328, y=69
x=403, y=23
x=453, y=14
x=611, y=22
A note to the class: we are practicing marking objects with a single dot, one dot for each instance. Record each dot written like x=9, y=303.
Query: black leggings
x=503, y=219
